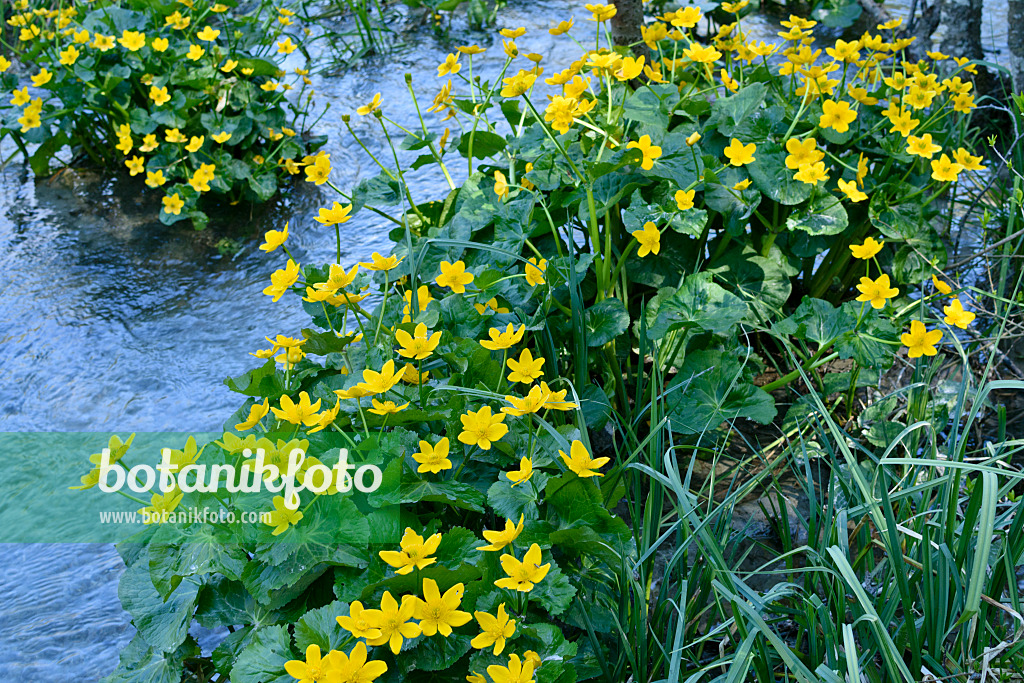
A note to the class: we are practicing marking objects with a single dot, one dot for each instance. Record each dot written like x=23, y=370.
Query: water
x=112, y=321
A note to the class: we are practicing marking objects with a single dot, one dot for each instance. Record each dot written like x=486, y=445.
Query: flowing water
x=112, y=321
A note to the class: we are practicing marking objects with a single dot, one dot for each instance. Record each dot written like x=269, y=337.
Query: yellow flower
x=516, y=85
x=42, y=78
x=919, y=341
x=229, y=66
x=963, y=103
x=601, y=12
x=354, y=667
x=450, y=65
x=692, y=139
x=492, y=304
x=173, y=204
x=511, y=33
x=221, y=137
x=103, y=43
x=160, y=44
x=440, y=613
x=281, y=280
x=433, y=459
x=533, y=402
x=155, y=178
x=335, y=215
x=286, y=46
x=876, y=291
x=274, y=239
x=386, y=407
x=922, y=146
x=945, y=170
x=650, y=152
x=5, y=64
x=294, y=413
x=969, y=162
x=526, y=369
x=802, y=153
x=500, y=184
x=861, y=95
x=414, y=554
x=849, y=188
x=470, y=49
x=174, y=135
x=195, y=52
x=702, y=54
x=523, y=474
x=535, y=271
x=454, y=276
x=411, y=375
x=940, y=285
x=562, y=28
x=742, y=185
x=649, y=238
x=735, y=7
x=494, y=630
x=517, y=671
x=208, y=34
x=394, y=622
x=21, y=97
x=836, y=115
x=812, y=174
x=160, y=505
x=67, y=56
x=503, y=340
x=380, y=382
x=319, y=171
x=132, y=40
x=159, y=95
x=687, y=17
x=684, y=199
x=482, y=428
x=739, y=154
x=256, y=413
x=196, y=143
x=419, y=346
x=361, y=623
x=499, y=539
x=956, y=315
x=381, y=263
x=281, y=518
x=136, y=165
x=523, y=576
x=580, y=462
x=630, y=68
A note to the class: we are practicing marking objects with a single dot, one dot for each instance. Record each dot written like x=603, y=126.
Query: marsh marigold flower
x=836, y=115
x=877, y=291
x=281, y=280
x=454, y=276
x=739, y=154
x=496, y=540
x=526, y=368
x=849, y=188
x=523, y=474
x=419, y=345
x=535, y=271
x=361, y=623
x=649, y=239
x=494, y=630
x=482, y=428
x=433, y=459
x=379, y=262
x=920, y=341
x=394, y=622
x=173, y=204
x=956, y=315
x=868, y=249
x=440, y=613
x=335, y=215
x=415, y=552
x=648, y=151
x=517, y=671
x=355, y=668
x=523, y=575
x=282, y=517
x=580, y=462
x=503, y=340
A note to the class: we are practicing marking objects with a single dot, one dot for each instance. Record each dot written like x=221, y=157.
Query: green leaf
x=762, y=282
x=900, y=222
x=605, y=321
x=698, y=302
x=437, y=653
x=712, y=387
x=264, y=659
x=454, y=493
x=554, y=592
x=140, y=662
x=485, y=144
x=510, y=502
x=823, y=215
x=727, y=113
x=816, y=321
x=652, y=105
x=163, y=623
x=320, y=627
x=773, y=179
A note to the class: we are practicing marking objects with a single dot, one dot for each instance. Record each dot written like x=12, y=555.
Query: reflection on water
x=112, y=321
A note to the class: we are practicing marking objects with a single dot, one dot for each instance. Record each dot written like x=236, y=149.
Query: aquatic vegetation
x=191, y=96
x=632, y=276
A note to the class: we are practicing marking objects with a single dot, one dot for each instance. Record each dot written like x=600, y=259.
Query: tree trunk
x=962, y=19
x=1015, y=40
x=626, y=23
